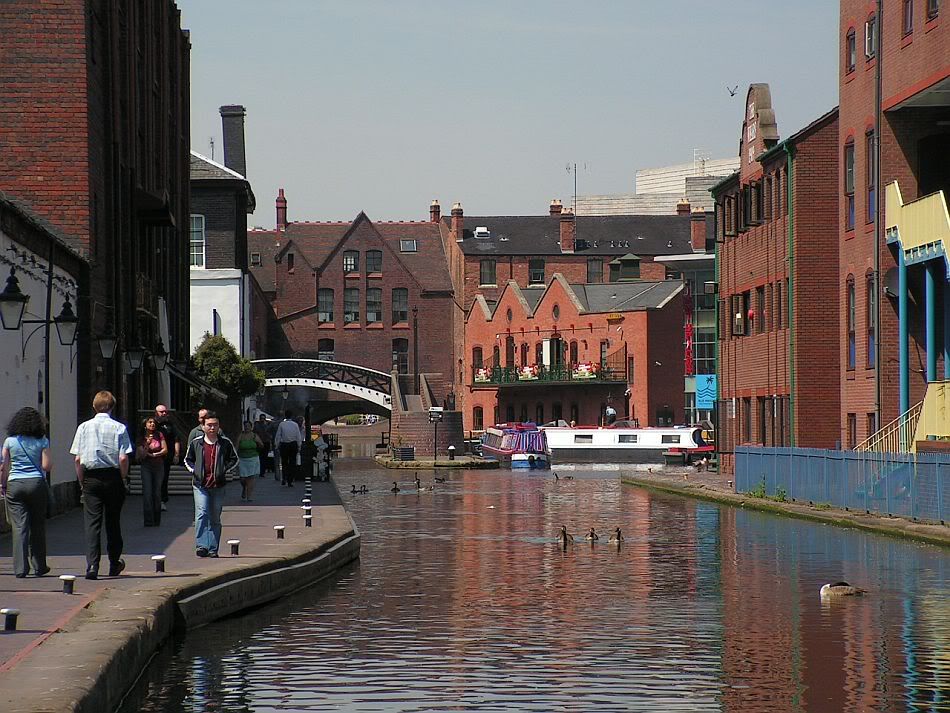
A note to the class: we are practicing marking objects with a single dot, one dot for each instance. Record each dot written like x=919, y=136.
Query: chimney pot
x=556, y=207
x=435, y=212
x=682, y=208
x=232, y=125
x=281, y=210
x=458, y=223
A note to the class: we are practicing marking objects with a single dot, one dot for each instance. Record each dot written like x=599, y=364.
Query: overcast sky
x=383, y=106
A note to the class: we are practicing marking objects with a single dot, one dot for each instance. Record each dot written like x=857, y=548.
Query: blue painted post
x=903, y=358
x=931, y=300
x=946, y=329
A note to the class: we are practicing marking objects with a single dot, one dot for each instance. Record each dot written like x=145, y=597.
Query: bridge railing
x=325, y=371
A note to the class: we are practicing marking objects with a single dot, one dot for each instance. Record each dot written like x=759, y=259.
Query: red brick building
x=777, y=263
x=94, y=137
x=909, y=54
x=350, y=291
x=566, y=351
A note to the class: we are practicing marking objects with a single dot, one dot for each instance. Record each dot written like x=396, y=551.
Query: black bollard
x=280, y=531
x=69, y=581
x=235, y=547
x=9, y=618
x=159, y=561
x=308, y=520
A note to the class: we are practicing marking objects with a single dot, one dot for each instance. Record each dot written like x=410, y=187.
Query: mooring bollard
x=159, y=561
x=235, y=547
x=308, y=520
x=451, y=452
x=69, y=581
x=9, y=618
x=280, y=531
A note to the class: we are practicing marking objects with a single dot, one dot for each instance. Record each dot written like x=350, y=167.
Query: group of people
x=102, y=449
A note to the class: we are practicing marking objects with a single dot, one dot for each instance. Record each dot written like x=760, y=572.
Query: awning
x=197, y=382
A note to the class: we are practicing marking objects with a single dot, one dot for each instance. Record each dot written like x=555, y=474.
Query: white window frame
x=193, y=255
x=408, y=245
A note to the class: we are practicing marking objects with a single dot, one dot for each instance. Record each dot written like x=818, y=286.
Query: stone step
x=179, y=481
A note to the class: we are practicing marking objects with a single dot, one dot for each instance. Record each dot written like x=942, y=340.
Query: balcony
x=921, y=227
x=612, y=370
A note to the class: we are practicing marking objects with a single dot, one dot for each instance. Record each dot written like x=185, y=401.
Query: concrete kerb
x=877, y=524
x=89, y=665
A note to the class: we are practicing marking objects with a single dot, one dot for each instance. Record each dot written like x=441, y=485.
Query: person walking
x=211, y=459
x=150, y=452
x=287, y=442
x=23, y=486
x=262, y=431
x=101, y=448
x=173, y=442
x=249, y=459
x=198, y=430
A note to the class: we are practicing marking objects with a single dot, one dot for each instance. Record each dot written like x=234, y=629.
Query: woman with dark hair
x=26, y=461
x=150, y=452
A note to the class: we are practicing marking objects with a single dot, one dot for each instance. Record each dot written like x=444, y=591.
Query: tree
x=218, y=363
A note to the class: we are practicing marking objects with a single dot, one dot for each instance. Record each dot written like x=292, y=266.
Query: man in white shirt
x=287, y=441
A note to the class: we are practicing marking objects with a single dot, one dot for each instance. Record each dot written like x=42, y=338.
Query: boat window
x=627, y=438
x=583, y=438
x=671, y=438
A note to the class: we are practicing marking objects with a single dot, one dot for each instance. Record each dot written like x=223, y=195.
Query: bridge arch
x=366, y=384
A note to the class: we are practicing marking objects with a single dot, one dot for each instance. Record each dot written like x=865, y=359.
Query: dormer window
x=407, y=245
x=625, y=268
x=255, y=259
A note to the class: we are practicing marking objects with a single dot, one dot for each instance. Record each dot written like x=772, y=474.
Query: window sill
x=353, y=325
x=869, y=62
x=849, y=77
x=932, y=24
x=850, y=375
x=351, y=275
x=401, y=325
x=869, y=227
x=489, y=285
x=375, y=325
x=907, y=39
x=326, y=325
x=374, y=275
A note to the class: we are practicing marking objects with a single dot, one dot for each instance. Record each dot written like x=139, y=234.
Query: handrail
x=897, y=436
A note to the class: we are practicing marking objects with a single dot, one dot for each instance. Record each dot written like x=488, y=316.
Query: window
x=583, y=438
x=407, y=246
x=524, y=354
x=760, y=309
x=351, y=261
x=510, y=413
x=374, y=261
x=604, y=346
x=908, y=23
x=509, y=351
x=536, y=271
x=871, y=175
x=486, y=272
x=351, y=305
x=325, y=349
x=324, y=305
x=779, y=314
x=767, y=212
x=255, y=259
x=556, y=411
x=746, y=434
x=401, y=355
x=779, y=196
x=539, y=413
x=290, y=262
x=574, y=414
x=197, y=239
x=871, y=423
x=595, y=270
x=477, y=357
x=539, y=353
x=400, y=305
x=573, y=353
x=933, y=9
x=625, y=268
x=761, y=403
x=524, y=413
x=627, y=438
x=670, y=438
x=849, y=51
x=852, y=430
x=851, y=320
x=374, y=304
x=870, y=316
x=478, y=418
x=849, y=184
x=870, y=37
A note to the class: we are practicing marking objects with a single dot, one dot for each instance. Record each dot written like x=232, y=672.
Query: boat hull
x=607, y=455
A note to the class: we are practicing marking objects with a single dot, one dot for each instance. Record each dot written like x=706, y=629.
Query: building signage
x=614, y=317
x=705, y=391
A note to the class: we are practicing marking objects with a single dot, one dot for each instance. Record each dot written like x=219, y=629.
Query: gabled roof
x=606, y=235
x=206, y=169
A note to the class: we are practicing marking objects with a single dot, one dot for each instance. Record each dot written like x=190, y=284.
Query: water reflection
x=463, y=600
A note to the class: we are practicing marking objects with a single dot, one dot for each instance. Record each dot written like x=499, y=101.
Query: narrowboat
x=516, y=445
x=624, y=442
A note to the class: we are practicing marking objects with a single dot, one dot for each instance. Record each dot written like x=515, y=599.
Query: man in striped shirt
x=101, y=448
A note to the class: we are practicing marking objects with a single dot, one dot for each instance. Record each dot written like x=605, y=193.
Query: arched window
x=574, y=414
x=324, y=305
x=374, y=261
x=478, y=418
x=851, y=317
x=509, y=351
x=477, y=357
x=556, y=414
x=400, y=305
x=351, y=305
x=401, y=355
x=495, y=356
x=524, y=413
x=510, y=413
x=539, y=414
x=351, y=261
x=539, y=353
x=374, y=305
x=524, y=355
x=870, y=296
x=573, y=358
x=849, y=184
x=849, y=51
x=325, y=349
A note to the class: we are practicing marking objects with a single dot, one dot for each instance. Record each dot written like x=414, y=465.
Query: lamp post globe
x=67, y=325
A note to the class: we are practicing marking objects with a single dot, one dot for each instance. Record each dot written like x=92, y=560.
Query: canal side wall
x=97, y=652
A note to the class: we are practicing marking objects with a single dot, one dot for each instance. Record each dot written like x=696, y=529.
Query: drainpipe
x=878, y=197
x=789, y=155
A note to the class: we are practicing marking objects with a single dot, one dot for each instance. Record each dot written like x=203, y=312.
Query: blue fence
x=899, y=484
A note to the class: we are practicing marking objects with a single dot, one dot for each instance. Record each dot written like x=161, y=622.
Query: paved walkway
x=45, y=610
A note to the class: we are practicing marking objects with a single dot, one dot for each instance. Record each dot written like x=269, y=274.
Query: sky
x=383, y=106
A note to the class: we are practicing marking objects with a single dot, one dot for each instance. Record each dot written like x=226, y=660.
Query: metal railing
x=897, y=436
x=612, y=369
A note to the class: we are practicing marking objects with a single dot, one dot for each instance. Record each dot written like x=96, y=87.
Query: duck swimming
x=395, y=488
x=353, y=490
x=438, y=479
x=592, y=536
x=419, y=485
x=616, y=537
x=841, y=589
x=364, y=489
x=564, y=537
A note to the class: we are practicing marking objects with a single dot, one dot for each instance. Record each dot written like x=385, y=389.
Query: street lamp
x=107, y=344
x=67, y=324
x=12, y=303
x=159, y=357
x=135, y=356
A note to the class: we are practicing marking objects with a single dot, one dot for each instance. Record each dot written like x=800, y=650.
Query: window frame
x=850, y=51
x=374, y=261
x=255, y=260
x=192, y=242
x=848, y=175
x=870, y=319
x=325, y=316
x=492, y=266
x=396, y=295
x=322, y=351
x=350, y=315
x=870, y=37
x=351, y=262
x=851, y=322
x=376, y=295
x=408, y=245
x=870, y=177
x=907, y=18
x=534, y=271
x=598, y=264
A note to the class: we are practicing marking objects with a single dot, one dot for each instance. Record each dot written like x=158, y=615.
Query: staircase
x=179, y=481
x=897, y=436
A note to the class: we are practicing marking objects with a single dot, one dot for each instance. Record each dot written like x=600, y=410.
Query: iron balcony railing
x=612, y=370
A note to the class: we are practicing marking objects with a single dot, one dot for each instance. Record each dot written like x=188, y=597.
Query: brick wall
x=414, y=429
x=224, y=208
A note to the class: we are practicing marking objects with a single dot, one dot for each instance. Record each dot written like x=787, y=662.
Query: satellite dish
x=890, y=283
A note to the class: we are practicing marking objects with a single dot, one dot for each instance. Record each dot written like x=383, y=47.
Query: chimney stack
x=556, y=207
x=568, y=231
x=682, y=208
x=697, y=230
x=232, y=123
x=281, y=211
x=458, y=223
x=435, y=212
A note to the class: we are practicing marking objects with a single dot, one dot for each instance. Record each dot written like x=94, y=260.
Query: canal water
x=463, y=600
